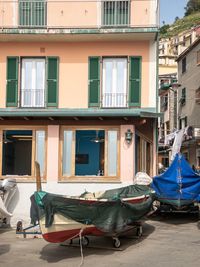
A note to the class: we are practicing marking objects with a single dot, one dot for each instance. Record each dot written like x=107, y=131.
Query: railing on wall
x=33, y=98
x=78, y=13
x=114, y=100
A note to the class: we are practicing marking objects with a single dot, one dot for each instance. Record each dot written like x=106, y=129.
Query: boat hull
x=64, y=228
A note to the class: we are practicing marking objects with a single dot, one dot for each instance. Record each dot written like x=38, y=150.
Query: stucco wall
x=69, y=14
x=73, y=66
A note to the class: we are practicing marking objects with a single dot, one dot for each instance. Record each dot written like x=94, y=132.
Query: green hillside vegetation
x=180, y=25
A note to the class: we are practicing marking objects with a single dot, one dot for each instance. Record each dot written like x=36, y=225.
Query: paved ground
x=172, y=241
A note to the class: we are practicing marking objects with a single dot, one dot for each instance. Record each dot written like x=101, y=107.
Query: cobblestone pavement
x=170, y=241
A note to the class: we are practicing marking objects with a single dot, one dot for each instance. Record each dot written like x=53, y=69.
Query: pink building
x=78, y=94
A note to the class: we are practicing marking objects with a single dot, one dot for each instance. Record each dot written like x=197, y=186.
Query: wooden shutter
x=135, y=82
x=94, y=81
x=52, y=81
x=12, y=82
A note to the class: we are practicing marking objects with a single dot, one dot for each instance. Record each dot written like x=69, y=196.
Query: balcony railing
x=114, y=100
x=115, y=13
x=66, y=14
x=32, y=98
x=32, y=14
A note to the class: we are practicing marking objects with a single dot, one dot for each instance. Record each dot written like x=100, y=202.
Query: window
x=33, y=83
x=38, y=86
x=182, y=123
x=114, y=82
x=20, y=149
x=184, y=65
x=164, y=103
x=32, y=13
x=183, y=97
x=114, y=93
x=89, y=153
x=115, y=13
x=143, y=155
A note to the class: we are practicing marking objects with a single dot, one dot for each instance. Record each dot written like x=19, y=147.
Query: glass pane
x=40, y=82
x=112, y=153
x=40, y=150
x=67, y=153
x=17, y=152
x=89, y=152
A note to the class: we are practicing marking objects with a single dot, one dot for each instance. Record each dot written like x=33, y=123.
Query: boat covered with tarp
x=179, y=185
x=108, y=213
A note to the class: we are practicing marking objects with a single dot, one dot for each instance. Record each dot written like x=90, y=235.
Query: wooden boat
x=109, y=213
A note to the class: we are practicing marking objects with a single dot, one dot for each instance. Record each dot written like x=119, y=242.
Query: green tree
x=192, y=6
x=164, y=29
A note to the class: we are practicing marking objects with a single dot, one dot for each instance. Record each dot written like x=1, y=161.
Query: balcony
x=77, y=14
x=32, y=98
x=114, y=100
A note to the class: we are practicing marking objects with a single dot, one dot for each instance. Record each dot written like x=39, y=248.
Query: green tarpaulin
x=110, y=216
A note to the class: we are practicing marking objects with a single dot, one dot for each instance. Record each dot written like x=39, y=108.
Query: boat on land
x=178, y=188
x=107, y=213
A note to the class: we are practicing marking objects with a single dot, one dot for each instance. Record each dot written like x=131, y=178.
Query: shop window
x=90, y=153
x=20, y=150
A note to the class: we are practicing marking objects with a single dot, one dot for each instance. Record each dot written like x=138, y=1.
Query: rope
x=81, y=247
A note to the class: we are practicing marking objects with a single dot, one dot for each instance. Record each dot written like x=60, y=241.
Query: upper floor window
x=33, y=82
x=184, y=65
x=110, y=84
x=115, y=13
x=114, y=90
x=182, y=123
x=32, y=13
x=38, y=84
x=183, y=97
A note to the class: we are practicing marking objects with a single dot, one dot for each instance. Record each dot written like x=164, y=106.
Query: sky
x=170, y=9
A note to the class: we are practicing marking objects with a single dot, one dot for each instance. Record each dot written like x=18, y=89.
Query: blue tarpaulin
x=179, y=185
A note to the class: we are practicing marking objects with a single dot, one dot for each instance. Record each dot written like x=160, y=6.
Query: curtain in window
x=67, y=153
x=114, y=82
x=33, y=83
x=112, y=153
x=40, y=150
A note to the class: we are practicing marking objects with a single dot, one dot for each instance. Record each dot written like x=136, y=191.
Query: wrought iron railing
x=77, y=13
x=32, y=98
x=114, y=100
x=116, y=13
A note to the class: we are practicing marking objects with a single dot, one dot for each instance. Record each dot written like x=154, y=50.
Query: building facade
x=78, y=94
x=189, y=100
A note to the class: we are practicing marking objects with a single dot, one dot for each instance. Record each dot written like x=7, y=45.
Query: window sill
x=88, y=179
x=27, y=179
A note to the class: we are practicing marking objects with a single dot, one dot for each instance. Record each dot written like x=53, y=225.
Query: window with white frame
x=33, y=82
x=91, y=152
x=114, y=93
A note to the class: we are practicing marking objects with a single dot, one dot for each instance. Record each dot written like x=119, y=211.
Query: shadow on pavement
x=97, y=246
x=175, y=217
x=4, y=248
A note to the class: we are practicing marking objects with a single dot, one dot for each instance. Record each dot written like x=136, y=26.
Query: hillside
x=182, y=24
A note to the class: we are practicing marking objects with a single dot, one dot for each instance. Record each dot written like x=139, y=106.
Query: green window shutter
x=12, y=82
x=135, y=82
x=52, y=81
x=94, y=81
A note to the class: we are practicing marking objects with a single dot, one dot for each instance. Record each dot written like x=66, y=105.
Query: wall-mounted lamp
x=128, y=136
